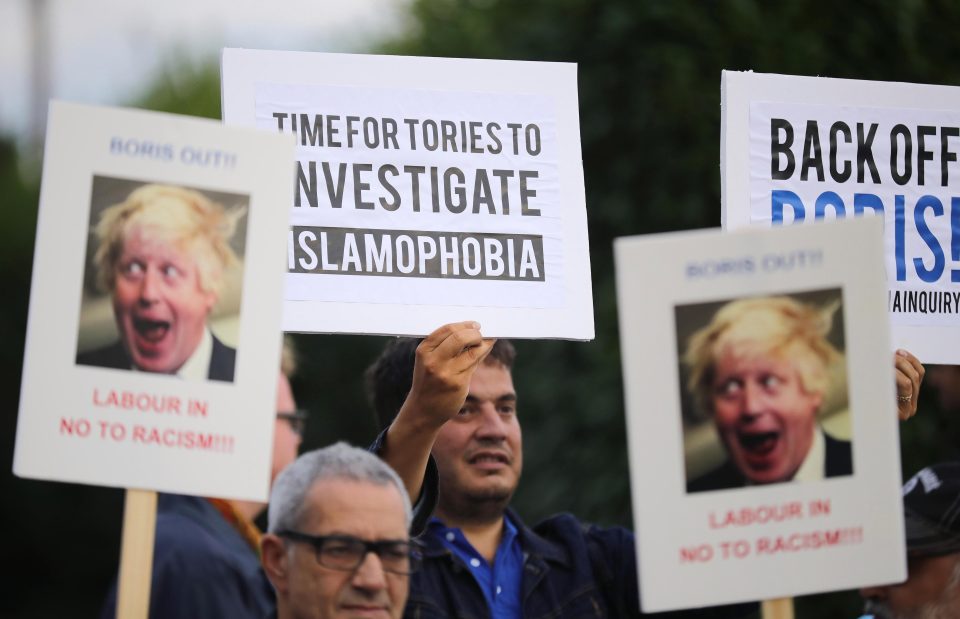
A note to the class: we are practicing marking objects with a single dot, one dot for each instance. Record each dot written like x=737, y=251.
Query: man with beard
x=932, y=588
x=480, y=559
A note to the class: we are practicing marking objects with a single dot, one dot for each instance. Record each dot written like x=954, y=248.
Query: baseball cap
x=931, y=509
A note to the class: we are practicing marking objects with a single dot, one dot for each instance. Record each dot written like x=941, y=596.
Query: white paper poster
x=761, y=419
x=427, y=190
x=153, y=340
x=801, y=149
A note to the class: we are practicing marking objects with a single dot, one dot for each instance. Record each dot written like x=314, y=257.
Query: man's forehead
x=492, y=381
x=353, y=507
x=160, y=243
x=334, y=487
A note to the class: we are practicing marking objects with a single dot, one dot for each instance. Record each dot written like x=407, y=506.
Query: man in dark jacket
x=480, y=559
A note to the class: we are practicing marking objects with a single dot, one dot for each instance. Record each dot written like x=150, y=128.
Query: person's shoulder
x=194, y=544
x=612, y=559
x=581, y=554
x=185, y=538
x=112, y=356
x=567, y=530
x=722, y=477
x=193, y=538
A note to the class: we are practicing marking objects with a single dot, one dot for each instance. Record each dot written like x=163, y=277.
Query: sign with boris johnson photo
x=153, y=341
x=426, y=190
x=802, y=149
x=761, y=418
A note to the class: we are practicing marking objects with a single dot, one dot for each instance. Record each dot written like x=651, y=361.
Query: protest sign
x=427, y=191
x=760, y=413
x=153, y=340
x=802, y=149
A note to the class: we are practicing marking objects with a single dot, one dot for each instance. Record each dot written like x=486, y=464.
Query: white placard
x=800, y=149
x=85, y=414
x=798, y=496
x=428, y=190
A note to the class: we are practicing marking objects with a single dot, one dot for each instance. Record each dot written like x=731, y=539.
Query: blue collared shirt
x=501, y=582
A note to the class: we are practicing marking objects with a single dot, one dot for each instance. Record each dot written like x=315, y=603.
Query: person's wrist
x=412, y=418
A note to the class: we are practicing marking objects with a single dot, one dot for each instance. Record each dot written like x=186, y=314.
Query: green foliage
x=185, y=87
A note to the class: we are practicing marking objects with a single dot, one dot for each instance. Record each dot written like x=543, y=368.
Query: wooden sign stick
x=777, y=609
x=136, y=554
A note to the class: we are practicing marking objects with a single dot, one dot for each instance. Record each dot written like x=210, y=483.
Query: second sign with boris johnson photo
x=761, y=378
x=761, y=416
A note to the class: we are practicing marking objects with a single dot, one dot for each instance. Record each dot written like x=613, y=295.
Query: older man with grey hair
x=337, y=544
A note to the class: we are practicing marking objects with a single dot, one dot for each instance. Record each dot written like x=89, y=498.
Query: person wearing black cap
x=931, y=506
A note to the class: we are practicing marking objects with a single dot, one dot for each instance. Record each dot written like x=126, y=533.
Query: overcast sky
x=106, y=51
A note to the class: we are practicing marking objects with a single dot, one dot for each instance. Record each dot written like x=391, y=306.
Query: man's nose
x=753, y=399
x=492, y=425
x=369, y=574
x=148, y=286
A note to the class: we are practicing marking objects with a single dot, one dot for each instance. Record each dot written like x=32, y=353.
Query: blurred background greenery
x=649, y=78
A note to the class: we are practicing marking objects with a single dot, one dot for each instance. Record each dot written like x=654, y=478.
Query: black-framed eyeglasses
x=346, y=553
x=297, y=420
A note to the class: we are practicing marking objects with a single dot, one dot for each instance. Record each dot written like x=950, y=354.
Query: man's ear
x=273, y=557
x=210, y=300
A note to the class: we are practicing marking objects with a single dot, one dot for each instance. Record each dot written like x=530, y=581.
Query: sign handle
x=777, y=609
x=136, y=554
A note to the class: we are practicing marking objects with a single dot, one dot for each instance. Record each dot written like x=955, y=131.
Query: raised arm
x=446, y=360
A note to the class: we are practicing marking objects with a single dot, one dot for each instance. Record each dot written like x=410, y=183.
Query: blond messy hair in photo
x=182, y=217
x=780, y=327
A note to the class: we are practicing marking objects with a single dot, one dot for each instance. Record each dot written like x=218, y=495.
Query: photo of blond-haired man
x=163, y=255
x=765, y=370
